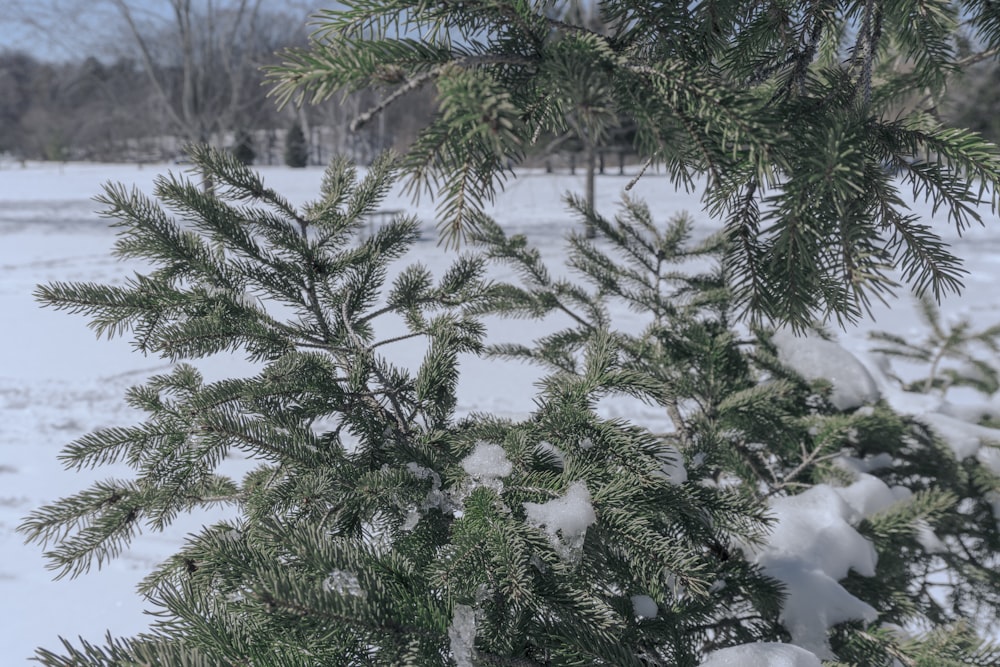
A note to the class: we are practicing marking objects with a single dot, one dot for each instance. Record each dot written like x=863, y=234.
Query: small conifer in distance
x=243, y=149
x=296, y=148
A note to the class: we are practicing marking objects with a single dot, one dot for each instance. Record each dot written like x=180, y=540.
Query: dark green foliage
x=296, y=148
x=360, y=535
x=805, y=124
x=364, y=531
x=368, y=533
x=737, y=412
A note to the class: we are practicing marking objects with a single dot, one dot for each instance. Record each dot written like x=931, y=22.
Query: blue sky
x=62, y=29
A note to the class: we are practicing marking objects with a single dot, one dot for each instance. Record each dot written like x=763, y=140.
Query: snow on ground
x=57, y=382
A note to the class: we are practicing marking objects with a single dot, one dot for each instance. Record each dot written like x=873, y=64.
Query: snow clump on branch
x=565, y=519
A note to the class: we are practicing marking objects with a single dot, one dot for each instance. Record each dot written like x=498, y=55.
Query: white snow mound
x=814, y=603
x=870, y=495
x=964, y=438
x=813, y=545
x=815, y=358
x=762, y=655
x=814, y=527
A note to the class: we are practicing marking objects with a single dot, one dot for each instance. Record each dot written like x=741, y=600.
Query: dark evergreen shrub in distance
x=296, y=148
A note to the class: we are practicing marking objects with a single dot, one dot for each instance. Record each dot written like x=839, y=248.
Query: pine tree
x=377, y=529
x=740, y=413
x=381, y=528
x=972, y=350
x=296, y=148
x=805, y=124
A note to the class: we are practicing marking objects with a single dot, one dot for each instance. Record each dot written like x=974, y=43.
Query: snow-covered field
x=58, y=382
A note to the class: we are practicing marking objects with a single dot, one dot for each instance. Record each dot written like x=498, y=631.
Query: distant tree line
x=106, y=111
x=85, y=110
x=191, y=74
x=109, y=111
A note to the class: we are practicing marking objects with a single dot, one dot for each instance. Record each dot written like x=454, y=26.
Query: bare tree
x=197, y=66
x=201, y=57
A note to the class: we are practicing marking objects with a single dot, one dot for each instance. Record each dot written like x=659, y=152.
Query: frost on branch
x=343, y=583
x=436, y=498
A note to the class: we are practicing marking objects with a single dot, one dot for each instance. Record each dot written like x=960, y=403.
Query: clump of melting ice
x=462, y=634
x=565, y=519
x=343, y=583
x=435, y=498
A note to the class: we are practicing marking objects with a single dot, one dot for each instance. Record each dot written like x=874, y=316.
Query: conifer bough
x=381, y=528
x=378, y=527
x=806, y=124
